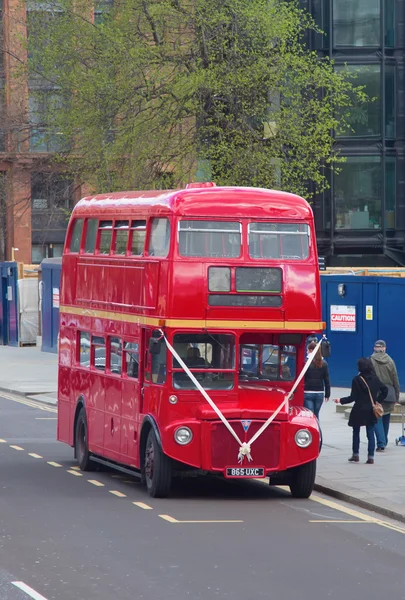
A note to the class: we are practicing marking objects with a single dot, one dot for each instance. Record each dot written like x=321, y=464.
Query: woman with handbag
x=366, y=393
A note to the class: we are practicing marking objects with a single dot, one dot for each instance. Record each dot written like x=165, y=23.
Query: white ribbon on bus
x=244, y=447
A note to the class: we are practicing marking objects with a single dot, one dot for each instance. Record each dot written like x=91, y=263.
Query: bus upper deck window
x=105, y=237
x=286, y=241
x=138, y=233
x=121, y=229
x=159, y=238
x=91, y=235
x=76, y=238
x=211, y=239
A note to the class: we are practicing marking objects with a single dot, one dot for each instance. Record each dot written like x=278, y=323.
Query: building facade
x=361, y=219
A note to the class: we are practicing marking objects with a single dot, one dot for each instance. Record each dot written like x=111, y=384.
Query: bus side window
x=159, y=238
x=131, y=359
x=115, y=355
x=91, y=235
x=76, y=236
x=105, y=237
x=121, y=229
x=159, y=365
x=84, y=349
x=138, y=233
x=98, y=351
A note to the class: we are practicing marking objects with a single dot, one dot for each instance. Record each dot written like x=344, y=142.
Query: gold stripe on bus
x=193, y=323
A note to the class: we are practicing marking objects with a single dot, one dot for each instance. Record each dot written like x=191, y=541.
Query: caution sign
x=342, y=318
x=369, y=313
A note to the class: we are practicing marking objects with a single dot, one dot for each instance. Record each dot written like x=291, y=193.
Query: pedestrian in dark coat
x=362, y=414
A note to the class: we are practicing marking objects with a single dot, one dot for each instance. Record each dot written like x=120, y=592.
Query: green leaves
x=158, y=86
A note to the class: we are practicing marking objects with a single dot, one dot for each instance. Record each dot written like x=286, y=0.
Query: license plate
x=244, y=472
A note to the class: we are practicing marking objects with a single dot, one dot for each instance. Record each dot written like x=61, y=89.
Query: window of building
x=76, y=236
x=91, y=236
x=51, y=191
x=159, y=238
x=131, y=359
x=121, y=229
x=389, y=7
x=84, y=349
x=115, y=355
x=364, y=119
x=102, y=10
x=390, y=103
x=390, y=192
x=138, y=234
x=43, y=105
x=98, y=352
x=41, y=251
x=356, y=23
x=357, y=193
x=213, y=239
x=106, y=228
x=289, y=241
x=211, y=359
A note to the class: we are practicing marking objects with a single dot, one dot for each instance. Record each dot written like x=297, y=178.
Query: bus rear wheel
x=302, y=480
x=157, y=468
x=81, y=442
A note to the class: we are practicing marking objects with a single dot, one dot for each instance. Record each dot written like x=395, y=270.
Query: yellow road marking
x=118, y=494
x=45, y=418
x=3, y=441
x=53, y=464
x=75, y=468
x=172, y=520
x=95, y=482
x=142, y=505
x=17, y=447
x=336, y=521
x=357, y=514
x=34, y=455
x=74, y=473
x=30, y=403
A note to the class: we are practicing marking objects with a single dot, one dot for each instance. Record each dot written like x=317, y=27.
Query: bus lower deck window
x=98, y=352
x=131, y=360
x=84, y=349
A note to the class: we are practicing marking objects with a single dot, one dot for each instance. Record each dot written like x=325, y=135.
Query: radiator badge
x=246, y=425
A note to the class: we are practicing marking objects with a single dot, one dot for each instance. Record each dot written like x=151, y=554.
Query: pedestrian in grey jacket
x=386, y=371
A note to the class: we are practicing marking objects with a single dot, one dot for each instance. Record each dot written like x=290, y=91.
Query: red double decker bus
x=183, y=324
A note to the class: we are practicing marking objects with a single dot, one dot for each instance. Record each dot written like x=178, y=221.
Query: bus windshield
x=213, y=239
x=211, y=359
x=267, y=362
x=288, y=241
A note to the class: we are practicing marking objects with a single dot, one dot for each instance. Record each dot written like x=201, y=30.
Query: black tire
x=157, y=468
x=81, y=443
x=302, y=480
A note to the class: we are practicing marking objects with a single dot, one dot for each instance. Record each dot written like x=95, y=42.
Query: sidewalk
x=378, y=487
x=29, y=372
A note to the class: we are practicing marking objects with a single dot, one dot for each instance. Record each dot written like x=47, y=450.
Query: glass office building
x=361, y=219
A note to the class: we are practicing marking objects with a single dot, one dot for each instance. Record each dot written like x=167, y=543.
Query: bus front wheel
x=81, y=442
x=302, y=480
x=157, y=469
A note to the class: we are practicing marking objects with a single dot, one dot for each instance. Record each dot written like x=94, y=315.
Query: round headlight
x=303, y=438
x=173, y=399
x=183, y=436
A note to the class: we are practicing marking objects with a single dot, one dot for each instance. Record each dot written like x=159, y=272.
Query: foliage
x=153, y=89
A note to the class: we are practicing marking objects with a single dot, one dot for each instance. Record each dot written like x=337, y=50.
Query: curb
x=28, y=395
x=347, y=497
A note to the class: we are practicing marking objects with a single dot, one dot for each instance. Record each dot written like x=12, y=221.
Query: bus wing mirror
x=325, y=349
x=155, y=345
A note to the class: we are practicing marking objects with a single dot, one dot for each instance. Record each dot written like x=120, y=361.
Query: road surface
x=67, y=535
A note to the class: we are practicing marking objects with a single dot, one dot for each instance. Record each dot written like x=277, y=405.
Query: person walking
x=316, y=382
x=386, y=371
x=366, y=390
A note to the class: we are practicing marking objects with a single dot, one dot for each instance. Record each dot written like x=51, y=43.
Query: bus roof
x=205, y=201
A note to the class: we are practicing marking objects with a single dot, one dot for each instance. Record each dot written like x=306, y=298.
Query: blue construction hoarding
x=51, y=271
x=359, y=310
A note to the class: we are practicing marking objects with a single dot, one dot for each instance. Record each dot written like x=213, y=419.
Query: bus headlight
x=303, y=438
x=183, y=436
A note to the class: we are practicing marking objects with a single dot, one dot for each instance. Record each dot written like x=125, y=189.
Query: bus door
x=154, y=377
x=132, y=382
